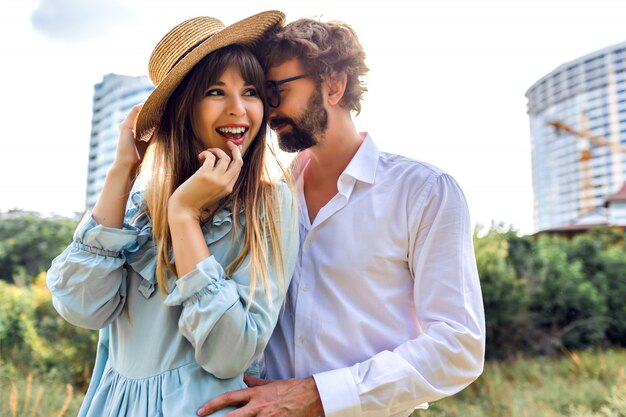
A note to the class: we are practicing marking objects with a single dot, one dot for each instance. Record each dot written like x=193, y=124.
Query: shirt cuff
x=96, y=238
x=338, y=393
x=206, y=277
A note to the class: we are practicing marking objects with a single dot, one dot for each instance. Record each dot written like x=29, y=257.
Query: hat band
x=188, y=52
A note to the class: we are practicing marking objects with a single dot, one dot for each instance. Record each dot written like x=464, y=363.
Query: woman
x=210, y=232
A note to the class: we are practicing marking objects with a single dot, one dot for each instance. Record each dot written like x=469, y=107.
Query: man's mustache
x=280, y=121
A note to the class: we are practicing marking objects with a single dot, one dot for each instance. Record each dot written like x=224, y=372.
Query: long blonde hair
x=174, y=158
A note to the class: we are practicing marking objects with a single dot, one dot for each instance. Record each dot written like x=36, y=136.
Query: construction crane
x=587, y=140
x=592, y=139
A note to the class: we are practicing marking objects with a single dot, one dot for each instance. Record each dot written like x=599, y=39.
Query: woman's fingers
x=235, y=151
x=222, y=160
x=219, y=169
x=129, y=123
x=208, y=158
x=214, y=180
x=130, y=152
x=236, y=162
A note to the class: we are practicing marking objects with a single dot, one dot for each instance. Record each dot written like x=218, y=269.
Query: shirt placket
x=305, y=353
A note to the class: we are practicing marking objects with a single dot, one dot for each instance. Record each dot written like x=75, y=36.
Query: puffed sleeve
x=227, y=335
x=87, y=279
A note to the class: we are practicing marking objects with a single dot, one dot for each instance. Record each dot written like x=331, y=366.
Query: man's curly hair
x=324, y=49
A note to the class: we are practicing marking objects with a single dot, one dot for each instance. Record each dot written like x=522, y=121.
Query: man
x=384, y=312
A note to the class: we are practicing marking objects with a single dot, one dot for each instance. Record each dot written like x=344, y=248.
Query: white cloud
x=79, y=20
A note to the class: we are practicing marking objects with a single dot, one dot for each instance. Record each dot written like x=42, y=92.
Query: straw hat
x=183, y=47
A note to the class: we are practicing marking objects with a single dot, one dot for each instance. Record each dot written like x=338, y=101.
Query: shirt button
x=301, y=339
x=305, y=287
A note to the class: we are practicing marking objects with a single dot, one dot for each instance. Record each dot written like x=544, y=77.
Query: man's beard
x=314, y=121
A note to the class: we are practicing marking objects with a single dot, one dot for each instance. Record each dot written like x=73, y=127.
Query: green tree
x=522, y=253
x=506, y=312
x=568, y=310
x=34, y=337
x=614, y=274
x=29, y=243
x=602, y=256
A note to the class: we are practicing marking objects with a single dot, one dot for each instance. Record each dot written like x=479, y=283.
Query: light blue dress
x=158, y=354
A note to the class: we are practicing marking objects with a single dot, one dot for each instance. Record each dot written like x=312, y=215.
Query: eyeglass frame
x=274, y=86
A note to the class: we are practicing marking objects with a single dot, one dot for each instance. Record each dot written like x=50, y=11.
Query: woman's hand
x=130, y=151
x=110, y=207
x=213, y=181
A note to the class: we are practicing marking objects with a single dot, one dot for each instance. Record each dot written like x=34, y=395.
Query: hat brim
x=245, y=32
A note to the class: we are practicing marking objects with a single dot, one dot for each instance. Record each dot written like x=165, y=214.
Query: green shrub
x=546, y=293
x=568, y=310
x=614, y=273
x=506, y=312
x=34, y=337
x=28, y=243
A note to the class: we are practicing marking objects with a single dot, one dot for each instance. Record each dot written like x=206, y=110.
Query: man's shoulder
x=417, y=180
x=399, y=166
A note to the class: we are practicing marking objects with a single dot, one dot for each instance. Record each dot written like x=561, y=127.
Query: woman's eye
x=251, y=92
x=214, y=92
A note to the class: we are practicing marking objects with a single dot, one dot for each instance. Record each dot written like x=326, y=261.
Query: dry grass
x=26, y=398
x=579, y=384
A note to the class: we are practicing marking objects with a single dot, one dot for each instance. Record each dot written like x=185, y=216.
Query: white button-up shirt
x=385, y=308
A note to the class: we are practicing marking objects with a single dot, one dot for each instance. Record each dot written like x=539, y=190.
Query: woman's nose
x=236, y=106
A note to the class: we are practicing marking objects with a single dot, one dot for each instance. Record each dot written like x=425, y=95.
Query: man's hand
x=291, y=397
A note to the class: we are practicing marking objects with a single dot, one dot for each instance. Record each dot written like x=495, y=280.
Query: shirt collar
x=362, y=166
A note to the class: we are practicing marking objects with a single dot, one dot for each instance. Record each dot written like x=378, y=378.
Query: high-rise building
x=578, y=134
x=113, y=98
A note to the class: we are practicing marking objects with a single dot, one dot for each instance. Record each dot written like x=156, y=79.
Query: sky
x=447, y=83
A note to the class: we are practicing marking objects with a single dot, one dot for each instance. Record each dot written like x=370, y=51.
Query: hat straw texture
x=178, y=42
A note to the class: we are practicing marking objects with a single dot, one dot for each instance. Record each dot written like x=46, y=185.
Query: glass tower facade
x=113, y=99
x=578, y=136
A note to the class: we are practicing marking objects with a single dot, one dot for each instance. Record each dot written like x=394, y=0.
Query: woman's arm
x=228, y=331
x=87, y=280
x=214, y=180
x=110, y=207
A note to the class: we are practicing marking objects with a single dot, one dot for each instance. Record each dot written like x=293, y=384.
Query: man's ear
x=336, y=85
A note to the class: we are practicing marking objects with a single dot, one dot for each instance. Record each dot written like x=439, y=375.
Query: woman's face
x=230, y=111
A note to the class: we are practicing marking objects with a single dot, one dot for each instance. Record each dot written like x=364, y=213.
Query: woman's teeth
x=231, y=132
x=239, y=130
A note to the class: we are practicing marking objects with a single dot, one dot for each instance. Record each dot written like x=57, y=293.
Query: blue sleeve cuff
x=102, y=240
x=206, y=278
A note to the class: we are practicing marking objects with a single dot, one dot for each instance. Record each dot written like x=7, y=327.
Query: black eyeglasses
x=273, y=89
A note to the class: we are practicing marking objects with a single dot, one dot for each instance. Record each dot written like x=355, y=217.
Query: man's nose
x=273, y=112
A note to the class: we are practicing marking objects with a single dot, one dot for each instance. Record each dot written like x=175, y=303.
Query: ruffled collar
x=142, y=255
